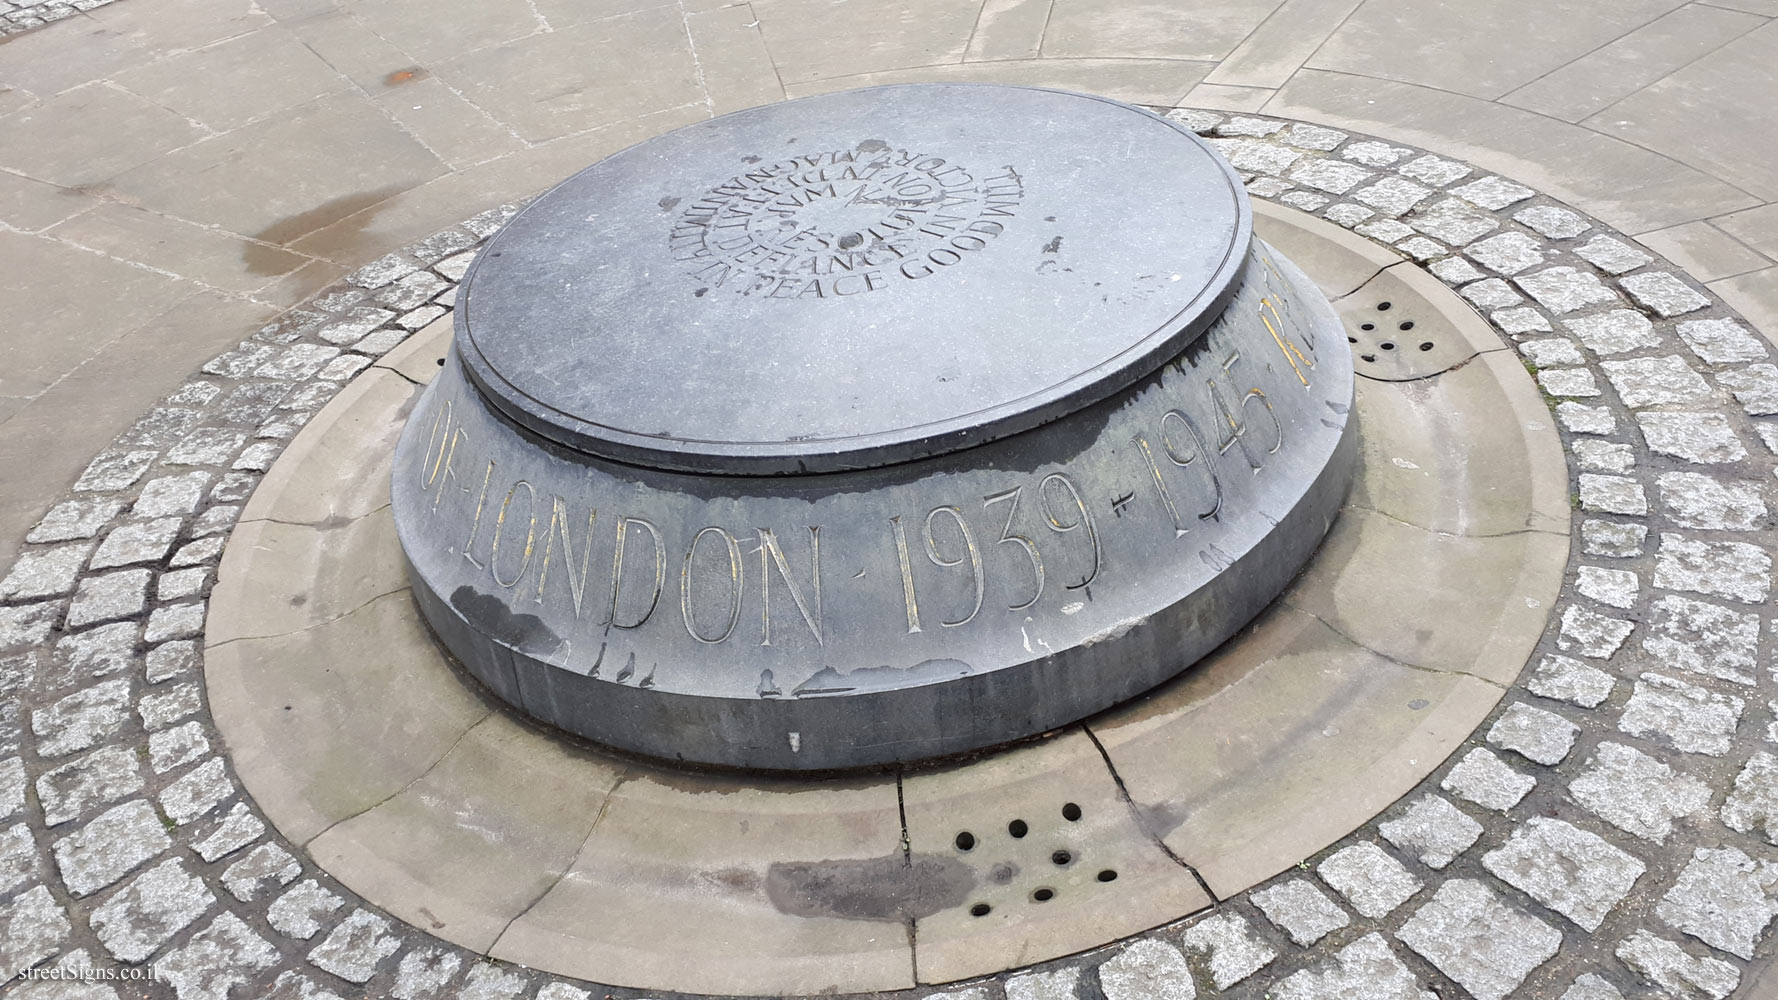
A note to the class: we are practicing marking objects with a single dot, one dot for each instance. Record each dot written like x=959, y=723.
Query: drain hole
x=1061, y=858
x=441, y=362
x=980, y=910
x=1369, y=357
x=1426, y=345
x=1349, y=340
x=1367, y=326
x=1108, y=875
x=1017, y=828
x=1071, y=812
x=1407, y=324
x=965, y=841
x=1043, y=895
x=1384, y=306
x=1387, y=345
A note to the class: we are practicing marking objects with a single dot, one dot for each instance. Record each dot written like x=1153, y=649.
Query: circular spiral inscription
x=842, y=222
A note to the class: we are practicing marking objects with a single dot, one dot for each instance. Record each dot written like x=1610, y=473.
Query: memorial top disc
x=852, y=280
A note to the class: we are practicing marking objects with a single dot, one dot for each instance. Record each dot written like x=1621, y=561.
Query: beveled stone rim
x=807, y=456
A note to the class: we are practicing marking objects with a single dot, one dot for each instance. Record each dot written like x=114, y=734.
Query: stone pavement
x=176, y=171
x=1611, y=832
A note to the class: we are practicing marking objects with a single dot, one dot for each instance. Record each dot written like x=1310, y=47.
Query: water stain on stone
x=489, y=615
x=270, y=262
x=888, y=888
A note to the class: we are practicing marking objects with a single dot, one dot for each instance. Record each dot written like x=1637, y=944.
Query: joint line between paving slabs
x=1123, y=792
x=416, y=779
x=573, y=863
x=907, y=863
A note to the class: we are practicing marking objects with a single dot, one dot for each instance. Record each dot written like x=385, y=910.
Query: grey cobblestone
x=82, y=719
x=1433, y=830
x=32, y=927
x=1679, y=974
x=1660, y=381
x=1722, y=341
x=1703, y=638
x=1735, y=570
x=1569, y=680
x=1300, y=910
x=219, y=958
x=1364, y=970
x=1370, y=880
x=137, y=542
x=1663, y=293
x=1565, y=289
x=1555, y=223
x=197, y=792
x=1685, y=716
x=1754, y=387
x=1060, y=984
x=1723, y=898
x=133, y=923
x=1613, y=495
x=106, y=849
x=1147, y=969
x=1637, y=793
x=260, y=869
x=1703, y=438
x=235, y=831
x=1590, y=633
x=1695, y=500
x=1484, y=779
x=1228, y=946
x=1576, y=873
x=44, y=572
x=1540, y=736
x=1615, y=331
x=299, y=911
x=100, y=778
x=1604, y=456
x=1507, y=253
x=108, y=597
x=1617, y=588
x=1613, y=256
x=74, y=519
x=1752, y=806
x=1484, y=945
x=1578, y=418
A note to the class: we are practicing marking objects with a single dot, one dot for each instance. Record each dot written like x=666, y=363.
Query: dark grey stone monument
x=871, y=427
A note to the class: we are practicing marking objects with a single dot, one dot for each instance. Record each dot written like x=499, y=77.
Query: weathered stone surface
x=1572, y=681
x=176, y=747
x=1433, y=830
x=1519, y=321
x=1507, y=253
x=1579, y=418
x=1655, y=381
x=236, y=830
x=134, y=923
x=1754, y=387
x=1684, y=715
x=95, y=653
x=181, y=583
x=1601, y=456
x=424, y=973
x=1394, y=195
x=299, y=911
x=169, y=660
x=1364, y=970
x=1723, y=898
x=32, y=927
x=260, y=869
x=1457, y=223
x=1371, y=881
x=1611, y=255
x=1348, y=215
x=161, y=708
x=115, y=470
x=44, y=572
x=1734, y=570
x=82, y=719
x=1616, y=331
x=1549, y=220
x=1550, y=352
x=1228, y=944
x=1483, y=779
x=100, y=778
x=216, y=960
x=1590, y=633
x=1491, y=293
x=18, y=857
x=1752, y=806
x=1373, y=153
x=106, y=849
x=1574, y=382
x=1058, y=985
x=1617, y=588
x=175, y=621
x=1565, y=289
x=1483, y=944
x=197, y=792
x=1695, y=500
x=1147, y=969
x=1589, y=986
x=1663, y=293
x=295, y=986
x=1385, y=230
x=109, y=596
x=1493, y=193
x=487, y=981
x=1722, y=341
x=171, y=495
x=1637, y=793
x=1703, y=638
x=1612, y=494
x=1676, y=972
x=12, y=786
x=1695, y=437
x=1609, y=538
x=1300, y=910
x=1576, y=873
x=1540, y=736
x=1434, y=170
x=82, y=517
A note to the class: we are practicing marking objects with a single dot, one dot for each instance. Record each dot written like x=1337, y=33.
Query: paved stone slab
x=1695, y=500
x=1590, y=633
x=32, y=927
x=1433, y=830
x=1703, y=638
x=1540, y=736
x=1603, y=456
x=44, y=572
x=1611, y=538
x=1565, y=289
x=1552, y=221
x=106, y=849
x=259, y=870
x=1754, y=387
x=1147, y=969
x=233, y=832
x=1723, y=898
x=1722, y=341
x=217, y=960
x=1686, y=716
x=1580, y=418
x=1617, y=331
x=1371, y=881
x=1486, y=946
x=1364, y=970
x=82, y=719
x=1057, y=985
x=1752, y=806
x=132, y=924
x=1611, y=255
x=358, y=944
x=1617, y=588
x=424, y=973
x=1695, y=437
x=1484, y=779
x=1228, y=945
x=1735, y=570
x=1300, y=910
x=1637, y=793
x=299, y=912
x=1659, y=381
x=1612, y=494
x=1572, y=871
x=1667, y=965
x=1569, y=680
x=99, y=778
x=1663, y=293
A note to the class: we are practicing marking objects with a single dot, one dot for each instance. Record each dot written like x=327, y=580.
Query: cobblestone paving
x=23, y=15
x=1609, y=833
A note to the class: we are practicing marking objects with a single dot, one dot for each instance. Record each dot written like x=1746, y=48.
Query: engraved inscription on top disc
x=842, y=222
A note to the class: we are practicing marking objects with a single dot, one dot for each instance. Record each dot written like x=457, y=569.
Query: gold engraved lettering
x=907, y=574
x=1011, y=498
x=475, y=526
x=970, y=552
x=1237, y=429
x=1255, y=393
x=440, y=420
x=1292, y=354
x=499, y=532
x=771, y=555
x=1085, y=520
x=1173, y=453
x=617, y=570
x=576, y=585
x=734, y=572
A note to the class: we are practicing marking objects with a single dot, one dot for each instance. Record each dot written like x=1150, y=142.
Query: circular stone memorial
x=871, y=427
